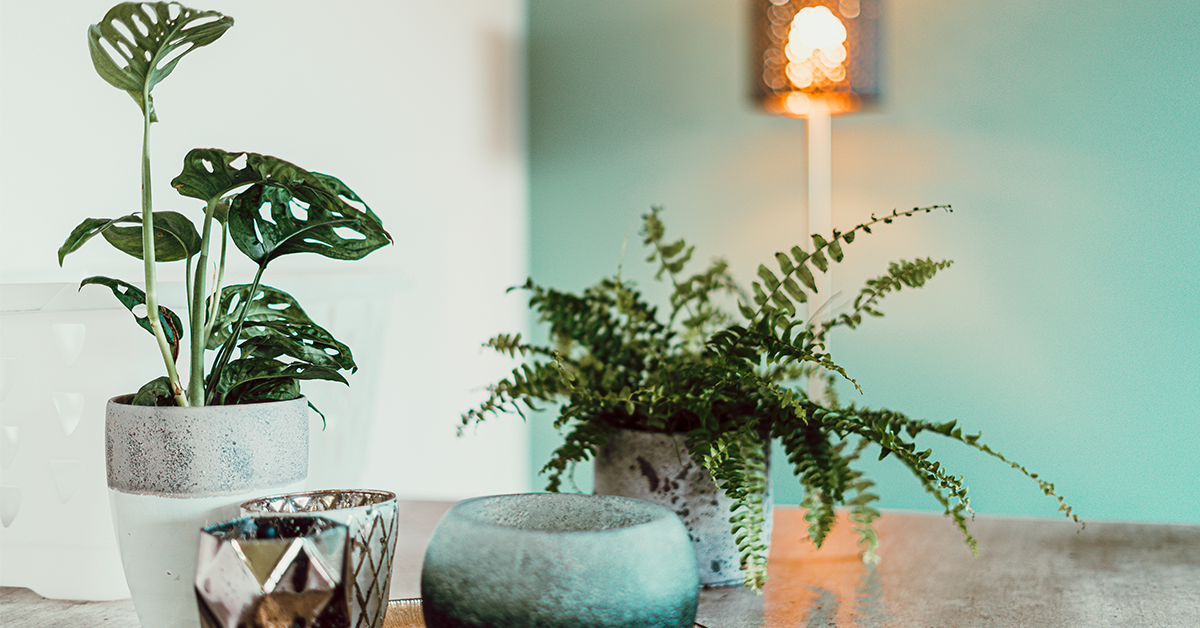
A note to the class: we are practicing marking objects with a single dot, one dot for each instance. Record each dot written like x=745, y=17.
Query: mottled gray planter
x=658, y=468
x=173, y=471
x=559, y=560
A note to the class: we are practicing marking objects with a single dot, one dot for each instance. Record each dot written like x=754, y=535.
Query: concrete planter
x=658, y=468
x=558, y=560
x=173, y=471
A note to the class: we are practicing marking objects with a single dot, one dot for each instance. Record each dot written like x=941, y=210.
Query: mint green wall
x=1065, y=136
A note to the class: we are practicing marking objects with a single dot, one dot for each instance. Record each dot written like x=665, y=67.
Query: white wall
x=416, y=105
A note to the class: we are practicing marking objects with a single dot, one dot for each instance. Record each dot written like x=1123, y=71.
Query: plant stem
x=152, y=309
x=226, y=350
x=197, y=311
x=215, y=301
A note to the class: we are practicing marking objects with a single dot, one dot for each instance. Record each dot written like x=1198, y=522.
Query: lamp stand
x=820, y=215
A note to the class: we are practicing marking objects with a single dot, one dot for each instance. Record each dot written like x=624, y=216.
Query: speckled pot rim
x=205, y=451
x=655, y=514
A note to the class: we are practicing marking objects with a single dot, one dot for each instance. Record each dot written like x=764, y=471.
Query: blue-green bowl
x=559, y=560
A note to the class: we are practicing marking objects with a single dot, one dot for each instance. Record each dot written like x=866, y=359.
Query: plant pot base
x=658, y=468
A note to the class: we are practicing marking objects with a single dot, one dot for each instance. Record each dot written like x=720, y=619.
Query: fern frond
x=902, y=273
x=737, y=462
x=797, y=268
x=580, y=444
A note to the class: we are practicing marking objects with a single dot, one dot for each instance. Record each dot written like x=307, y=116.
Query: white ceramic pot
x=173, y=471
x=658, y=468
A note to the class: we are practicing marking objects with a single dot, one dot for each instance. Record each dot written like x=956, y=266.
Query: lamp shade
x=815, y=52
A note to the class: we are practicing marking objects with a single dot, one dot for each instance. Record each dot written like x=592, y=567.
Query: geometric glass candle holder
x=372, y=518
x=273, y=572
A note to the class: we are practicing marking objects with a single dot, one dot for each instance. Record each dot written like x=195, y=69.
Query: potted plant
x=710, y=386
x=183, y=452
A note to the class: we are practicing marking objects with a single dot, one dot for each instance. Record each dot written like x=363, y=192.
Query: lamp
x=814, y=59
x=809, y=53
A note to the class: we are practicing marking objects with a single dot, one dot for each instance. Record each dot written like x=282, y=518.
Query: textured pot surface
x=658, y=468
x=205, y=451
x=559, y=560
x=173, y=471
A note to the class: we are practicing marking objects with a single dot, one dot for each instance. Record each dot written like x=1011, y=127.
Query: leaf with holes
x=306, y=342
x=210, y=173
x=241, y=378
x=175, y=237
x=268, y=305
x=286, y=209
x=268, y=221
x=131, y=297
x=150, y=39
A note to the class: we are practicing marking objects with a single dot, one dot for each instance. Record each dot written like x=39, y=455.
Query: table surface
x=1029, y=572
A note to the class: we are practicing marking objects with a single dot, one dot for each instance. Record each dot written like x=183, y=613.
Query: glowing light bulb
x=816, y=49
x=817, y=28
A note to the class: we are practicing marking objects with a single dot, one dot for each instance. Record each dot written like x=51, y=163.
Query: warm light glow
x=817, y=28
x=797, y=104
x=816, y=53
x=816, y=49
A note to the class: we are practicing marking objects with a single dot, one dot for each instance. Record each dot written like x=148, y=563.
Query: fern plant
x=731, y=381
x=266, y=206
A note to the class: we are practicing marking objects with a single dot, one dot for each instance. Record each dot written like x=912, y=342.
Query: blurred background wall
x=1064, y=134
x=418, y=106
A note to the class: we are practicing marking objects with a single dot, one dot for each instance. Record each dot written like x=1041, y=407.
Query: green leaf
x=784, y=304
x=149, y=39
x=760, y=297
x=794, y=290
x=303, y=341
x=835, y=251
x=267, y=306
x=768, y=277
x=156, y=392
x=131, y=296
x=818, y=260
x=286, y=209
x=248, y=377
x=785, y=263
x=806, y=277
x=277, y=389
x=209, y=173
x=175, y=237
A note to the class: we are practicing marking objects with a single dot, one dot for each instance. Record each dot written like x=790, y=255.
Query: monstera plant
x=266, y=206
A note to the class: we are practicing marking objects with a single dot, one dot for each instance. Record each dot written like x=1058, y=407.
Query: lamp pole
x=820, y=213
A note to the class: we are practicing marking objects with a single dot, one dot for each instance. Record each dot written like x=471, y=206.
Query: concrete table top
x=1029, y=572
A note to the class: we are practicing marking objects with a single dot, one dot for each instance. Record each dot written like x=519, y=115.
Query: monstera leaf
x=304, y=342
x=210, y=173
x=276, y=325
x=175, y=237
x=286, y=209
x=150, y=38
x=131, y=296
x=257, y=379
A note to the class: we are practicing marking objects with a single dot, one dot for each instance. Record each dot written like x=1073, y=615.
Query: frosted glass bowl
x=559, y=560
